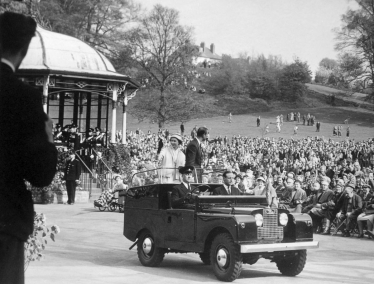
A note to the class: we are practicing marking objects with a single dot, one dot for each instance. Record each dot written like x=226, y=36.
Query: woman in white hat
x=170, y=159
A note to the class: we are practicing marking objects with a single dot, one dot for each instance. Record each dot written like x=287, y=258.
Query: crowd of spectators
x=332, y=181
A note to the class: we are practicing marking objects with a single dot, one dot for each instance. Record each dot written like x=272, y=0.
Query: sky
x=289, y=28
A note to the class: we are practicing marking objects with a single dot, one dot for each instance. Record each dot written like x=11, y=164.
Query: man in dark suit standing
x=183, y=195
x=27, y=151
x=194, y=156
x=72, y=174
x=227, y=188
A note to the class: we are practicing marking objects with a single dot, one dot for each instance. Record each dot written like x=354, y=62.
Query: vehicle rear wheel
x=225, y=258
x=205, y=257
x=294, y=265
x=148, y=253
x=102, y=208
x=112, y=207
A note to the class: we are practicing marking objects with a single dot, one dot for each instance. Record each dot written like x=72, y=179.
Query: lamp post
x=126, y=99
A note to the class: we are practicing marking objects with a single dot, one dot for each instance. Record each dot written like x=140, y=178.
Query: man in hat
x=352, y=207
x=26, y=143
x=72, y=173
x=183, y=195
x=228, y=187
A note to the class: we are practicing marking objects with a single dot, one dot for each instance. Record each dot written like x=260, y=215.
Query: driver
x=183, y=195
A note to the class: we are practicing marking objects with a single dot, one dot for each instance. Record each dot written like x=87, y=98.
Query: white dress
x=171, y=160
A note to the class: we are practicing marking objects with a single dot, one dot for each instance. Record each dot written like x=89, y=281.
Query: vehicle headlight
x=283, y=219
x=259, y=220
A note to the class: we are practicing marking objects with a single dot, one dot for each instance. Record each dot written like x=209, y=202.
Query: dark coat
x=325, y=196
x=25, y=153
x=356, y=205
x=221, y=190
x=193, y=154
x=72, y=170
x=178, y=195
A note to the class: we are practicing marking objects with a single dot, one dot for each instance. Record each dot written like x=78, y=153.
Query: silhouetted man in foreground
x=27, y=151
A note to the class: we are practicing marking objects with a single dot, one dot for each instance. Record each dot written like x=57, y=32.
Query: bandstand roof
x=60, y=55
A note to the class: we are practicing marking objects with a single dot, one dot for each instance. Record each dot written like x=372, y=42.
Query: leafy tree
x=355, y=41
x=294, y=77
x=100, y=23
x=328, y=63
x=163, y=51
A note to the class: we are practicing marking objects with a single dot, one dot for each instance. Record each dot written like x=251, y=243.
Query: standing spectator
x=26, y=143
x=295, y=130
x=318, y=126
x=281, y=119
x=182, y=129
x=258, y=121
x=72, y=174
x=335, y=131
x=348, y=131
x=304, y=118
x=339, y=130
x=230, y=117
x=308, y=119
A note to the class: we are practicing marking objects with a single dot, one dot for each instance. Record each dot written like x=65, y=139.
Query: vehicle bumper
x=278, y=247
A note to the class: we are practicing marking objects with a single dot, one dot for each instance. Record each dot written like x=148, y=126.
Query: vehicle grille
x=270, y=229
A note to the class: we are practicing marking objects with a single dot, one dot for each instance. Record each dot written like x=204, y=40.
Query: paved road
x=92, y=249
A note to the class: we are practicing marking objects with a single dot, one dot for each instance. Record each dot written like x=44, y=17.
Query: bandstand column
x=45, y=93
x=124, y=117
x=124, y=127
x=114, y=113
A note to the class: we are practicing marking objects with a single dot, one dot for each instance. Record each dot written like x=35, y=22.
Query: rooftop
x=59, y=54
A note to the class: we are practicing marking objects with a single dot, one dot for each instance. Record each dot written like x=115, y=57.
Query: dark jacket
x=221, y=190
x=72, y=170
x=356, y=205
x=25, y=153
x=193, y=154
x=178, y=196
x=324, y=197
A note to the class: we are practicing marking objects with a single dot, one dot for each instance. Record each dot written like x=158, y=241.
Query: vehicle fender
x=299, y=227
x=209, y=226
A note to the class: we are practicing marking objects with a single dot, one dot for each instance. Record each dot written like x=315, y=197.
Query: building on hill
x=207, y=56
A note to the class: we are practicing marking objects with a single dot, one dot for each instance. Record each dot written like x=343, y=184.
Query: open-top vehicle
x=226, y=231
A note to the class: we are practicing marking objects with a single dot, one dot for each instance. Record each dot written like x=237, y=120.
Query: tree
x=355, y=41
x=293, y=79
x=99, y=23
x=163, y=51
x=328, y=63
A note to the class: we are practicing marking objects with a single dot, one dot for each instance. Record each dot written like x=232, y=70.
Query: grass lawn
x=361, y=124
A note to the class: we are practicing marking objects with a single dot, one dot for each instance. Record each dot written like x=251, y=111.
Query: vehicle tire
x=148, y=253
x=102, y=208
x=205, y=257
x=225, y=258
x=112, y=207
x=294, y=265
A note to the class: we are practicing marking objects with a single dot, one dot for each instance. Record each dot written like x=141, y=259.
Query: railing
x=104, y=173
x=86, y=176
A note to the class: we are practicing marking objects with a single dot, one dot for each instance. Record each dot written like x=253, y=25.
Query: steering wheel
x=201, y=185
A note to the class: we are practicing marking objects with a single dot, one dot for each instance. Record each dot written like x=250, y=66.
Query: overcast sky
x=290, y=28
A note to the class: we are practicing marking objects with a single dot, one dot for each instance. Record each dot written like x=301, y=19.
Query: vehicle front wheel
x=225, y=258
x=292, y=266
x=148, y=253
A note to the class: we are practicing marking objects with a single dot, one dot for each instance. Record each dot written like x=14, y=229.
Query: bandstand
x=79, y=84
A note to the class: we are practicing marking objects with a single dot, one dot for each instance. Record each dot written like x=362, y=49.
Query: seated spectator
x=352, y=208
x=368, y=217
x=294, y=196
x=311, y=200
